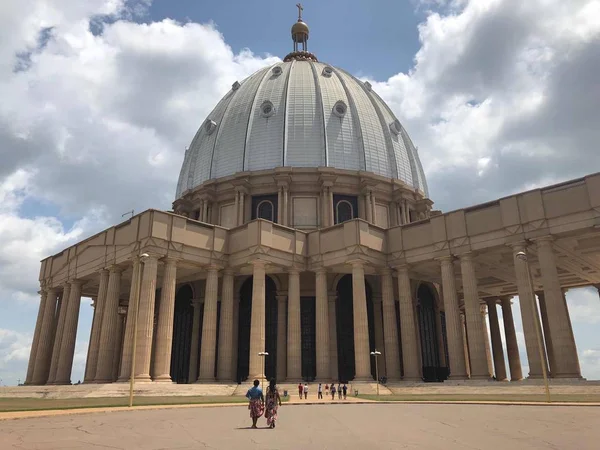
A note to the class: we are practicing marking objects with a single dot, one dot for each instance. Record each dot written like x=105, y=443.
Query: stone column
x=390, y=327
x=499, y=364
x=486, y=340
x=257, y=321
x=463, y=323
x=362, y=357
x=119, y=342
x=479, y=367
x=279, y=205
x=146, y=319
x=330, y=205
x=294, y=347
x=164, y=330
x=58, y=333
x=225, y=363
x=529, y=313
x=236, y=323
x=43, y=353
x=373, y=207
x=378, y=329
x=440, y=335
x=408, y=328
x=94, y=345
x=454, y=326
x=208, y=344
x=333, y=354
x=36, y=337
x=242, y=215
x=368, y=206
x=512, y=348
x=198, y=305
x=322, y=325
x=286, y=213
x=67, y=345
x=108, y=332
x=132, y=309
x=563, y=344
x=547, y=333
x=281, y=337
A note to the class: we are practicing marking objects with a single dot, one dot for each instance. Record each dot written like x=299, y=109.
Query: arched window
x=264, y=210
x=343, y=211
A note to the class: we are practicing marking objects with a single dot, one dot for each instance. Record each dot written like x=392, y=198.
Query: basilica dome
x=301, y=113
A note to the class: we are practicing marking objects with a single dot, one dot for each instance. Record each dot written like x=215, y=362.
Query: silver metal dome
x=301, y=114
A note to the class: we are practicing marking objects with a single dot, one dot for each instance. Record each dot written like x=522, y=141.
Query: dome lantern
x=300, y=33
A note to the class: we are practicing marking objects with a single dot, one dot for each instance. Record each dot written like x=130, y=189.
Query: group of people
x=341, y=390
x=259, y=404
x=267, y=405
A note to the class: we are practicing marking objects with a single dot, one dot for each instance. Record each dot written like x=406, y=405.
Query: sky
x=101, y=97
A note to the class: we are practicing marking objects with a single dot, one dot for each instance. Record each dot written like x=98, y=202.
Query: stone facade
x=217, y=286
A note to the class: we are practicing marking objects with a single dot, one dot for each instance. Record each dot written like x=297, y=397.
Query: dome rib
x=325, y=158
x=285, y=115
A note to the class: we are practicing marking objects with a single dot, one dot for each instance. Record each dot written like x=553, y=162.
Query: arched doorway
x=182, y=335
x=245, y=315
x=430, y=350
x=344, y=312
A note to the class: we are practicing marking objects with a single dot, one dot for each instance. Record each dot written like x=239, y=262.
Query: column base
x=163, y=379
x=123, y=380
x=458, y=377
x=363, y=380
x=142, y=378
x=59, y=383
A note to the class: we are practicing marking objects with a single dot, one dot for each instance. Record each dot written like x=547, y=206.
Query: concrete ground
x=350, y=426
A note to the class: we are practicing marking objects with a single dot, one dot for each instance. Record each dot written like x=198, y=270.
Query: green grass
x=574, y=398
x=40, y=404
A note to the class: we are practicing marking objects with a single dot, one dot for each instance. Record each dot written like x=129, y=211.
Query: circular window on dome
x=210, y=126
x=395, y=127
x=327, y=71
x=340, y=108
x=277, y=70
x=267, y=109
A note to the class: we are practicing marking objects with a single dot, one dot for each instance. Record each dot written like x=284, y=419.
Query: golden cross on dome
x=300, y=9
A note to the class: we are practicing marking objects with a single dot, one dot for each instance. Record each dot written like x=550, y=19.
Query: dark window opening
x=264, y=207
x=345, y=207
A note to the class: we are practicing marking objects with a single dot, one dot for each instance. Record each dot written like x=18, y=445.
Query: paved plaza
x=371, y=426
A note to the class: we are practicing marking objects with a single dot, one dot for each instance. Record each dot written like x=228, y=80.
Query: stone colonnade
x=469, y=354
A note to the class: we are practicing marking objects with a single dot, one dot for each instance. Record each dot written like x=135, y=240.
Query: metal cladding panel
x=377, y=159
x=204, y=145
x=342, y=136
x=305, y=128
x=417, y=168
x=403, y=162
x=228, y=156
x=183, y=174
x=264, y=147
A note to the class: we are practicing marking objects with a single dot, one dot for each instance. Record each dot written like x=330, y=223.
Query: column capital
x=281, y=298
x=384, y=271
x=468, y=256
x=171, y=260
x=258, y=263
x=446, y=259
x=356, y=263
x=115, y=268
x=293, y=270
x=104, y=270
x=228, y=271
x=320, y=269
x=152, y=257
x=213, y=268
x=77, y=282
x=196, y=302
x=483, y=309
x=518, y=246
x=492, y=300
x=332, y=296
x=544, y=240
x=401, y=268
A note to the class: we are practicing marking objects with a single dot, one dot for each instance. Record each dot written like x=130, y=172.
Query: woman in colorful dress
x=273, y=403
x=257, y=402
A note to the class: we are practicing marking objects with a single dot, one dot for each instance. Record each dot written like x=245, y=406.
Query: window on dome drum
x=196, y=215
x=264, y=207
x=345, y=207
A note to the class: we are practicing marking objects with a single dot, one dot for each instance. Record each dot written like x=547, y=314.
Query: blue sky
x=496, y=95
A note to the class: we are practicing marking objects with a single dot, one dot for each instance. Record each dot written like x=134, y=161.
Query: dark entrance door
x=182, y=335
x=430, y=351
x=245, y=315
x=308, y=336
x=345, y=328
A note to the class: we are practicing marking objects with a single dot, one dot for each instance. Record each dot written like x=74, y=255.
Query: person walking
x=339, y=391
x=272, y=402
x=327, y=390
x=257, y=402
x=333, y=392
x=305, y=391
x=345, y=390
x=300, y=390
x=320, y=392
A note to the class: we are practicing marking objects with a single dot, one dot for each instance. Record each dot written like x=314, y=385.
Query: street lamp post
x=263, y=355
x=376, y=353
x=136, y=303
x=522, y=256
